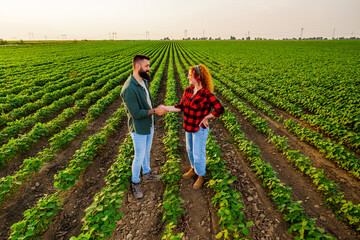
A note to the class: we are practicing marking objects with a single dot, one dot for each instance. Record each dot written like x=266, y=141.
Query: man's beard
x=144, y=74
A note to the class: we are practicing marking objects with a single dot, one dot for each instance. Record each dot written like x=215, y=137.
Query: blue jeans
x=142, y=147
x=195, y=147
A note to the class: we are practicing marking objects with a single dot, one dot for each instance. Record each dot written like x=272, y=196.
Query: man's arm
x=132, y=104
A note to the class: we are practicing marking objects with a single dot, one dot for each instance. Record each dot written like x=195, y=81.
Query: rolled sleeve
x=179, y=106
x=218, y=107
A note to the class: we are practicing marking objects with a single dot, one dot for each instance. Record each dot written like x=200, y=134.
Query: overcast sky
x=131, y=19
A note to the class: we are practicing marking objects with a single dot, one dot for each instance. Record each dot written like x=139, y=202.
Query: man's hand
x=160, y=110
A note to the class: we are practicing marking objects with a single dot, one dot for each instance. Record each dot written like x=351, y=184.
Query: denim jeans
x=142, y=147
x=195, y=147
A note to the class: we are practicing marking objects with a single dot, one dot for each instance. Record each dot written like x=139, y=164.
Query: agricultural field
x=282, y=161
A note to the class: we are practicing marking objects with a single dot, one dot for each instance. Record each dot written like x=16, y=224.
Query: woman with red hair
x=197, y=104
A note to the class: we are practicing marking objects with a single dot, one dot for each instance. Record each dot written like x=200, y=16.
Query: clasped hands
x=161, y=110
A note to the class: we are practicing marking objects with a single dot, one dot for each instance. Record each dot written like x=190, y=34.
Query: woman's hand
x=171, y=109
x=205, y=121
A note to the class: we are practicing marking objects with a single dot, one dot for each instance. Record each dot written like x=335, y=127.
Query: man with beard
x=141, y=120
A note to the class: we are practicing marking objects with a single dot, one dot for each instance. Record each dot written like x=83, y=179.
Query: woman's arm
x=205, y=121
x=172, y=109
x=177, y=107
x=219, y=109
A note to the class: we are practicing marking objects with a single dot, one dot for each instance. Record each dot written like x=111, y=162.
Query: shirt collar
x=135, y=81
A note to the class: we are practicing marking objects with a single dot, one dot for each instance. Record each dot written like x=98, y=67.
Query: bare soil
x=29, y=193
x=302, y=187
x=14, y=165
x=200, y=221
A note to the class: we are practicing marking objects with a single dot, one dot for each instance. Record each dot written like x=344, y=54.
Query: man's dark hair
x=139, y=57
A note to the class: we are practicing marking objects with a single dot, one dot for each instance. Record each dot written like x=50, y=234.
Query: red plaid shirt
x=196, y=107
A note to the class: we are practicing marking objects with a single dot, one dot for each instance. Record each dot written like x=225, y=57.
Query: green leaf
x=219, y=235
x=249, y=224
x=245, y=231
x=104, y=218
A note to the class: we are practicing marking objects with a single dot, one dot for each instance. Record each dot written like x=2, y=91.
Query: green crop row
x=333, y=199
x=321, y=105
x=25, y=141
x=83, y=157
x=41, y=216
x=64, y=99
x=308, y=74
x=171, y=204
x=38, y=218
x=27, y=64
x=227, y=200
x=51, y=79
x=256, y=82
x=331, y=150
x=26, y=101
x=302, y=227
x=43, y=91
x=10, y=183
x=343, y=209
x=327, y=126
x=102, y=214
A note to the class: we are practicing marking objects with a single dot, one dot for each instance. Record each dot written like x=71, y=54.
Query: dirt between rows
x=67, y=222
x=142, y=217
x=302, y=187
x=200, y=221
x=14, y=165
x=268, y=221
x=349, y=185
x=42, y=183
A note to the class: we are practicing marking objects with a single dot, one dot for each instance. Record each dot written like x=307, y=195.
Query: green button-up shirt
x=136, y=106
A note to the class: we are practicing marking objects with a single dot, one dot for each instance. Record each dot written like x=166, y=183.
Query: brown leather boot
x=199, y=182
x=189, y=174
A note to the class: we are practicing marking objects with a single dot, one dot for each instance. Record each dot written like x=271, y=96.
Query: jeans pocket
x=203, y=132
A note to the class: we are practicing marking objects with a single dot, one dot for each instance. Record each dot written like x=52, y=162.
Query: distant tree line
x=264, y=39
x=4, y=42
